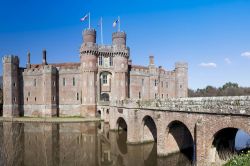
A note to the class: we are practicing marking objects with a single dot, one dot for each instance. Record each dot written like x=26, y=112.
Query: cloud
x=246, y=54
x=228, y=61
x=210, y=65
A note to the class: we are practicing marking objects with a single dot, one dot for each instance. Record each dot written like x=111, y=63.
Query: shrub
x=240, y=160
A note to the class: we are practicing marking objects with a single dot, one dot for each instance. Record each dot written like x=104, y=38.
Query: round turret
x=89, y=36
x=119, y=38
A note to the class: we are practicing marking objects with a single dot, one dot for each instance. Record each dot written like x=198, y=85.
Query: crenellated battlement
x=11, y=59
x=49, y=69
x=181, y=65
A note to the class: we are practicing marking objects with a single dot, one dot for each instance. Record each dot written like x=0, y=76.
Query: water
x=88, y=144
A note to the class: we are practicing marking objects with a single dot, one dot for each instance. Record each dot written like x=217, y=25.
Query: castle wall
x=70, y=92
x=76, y=89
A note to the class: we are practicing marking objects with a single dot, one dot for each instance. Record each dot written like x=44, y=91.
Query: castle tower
x=11, y=100
x=181, y=79
x=88, y=56
x=50, y=90
x=119, y=87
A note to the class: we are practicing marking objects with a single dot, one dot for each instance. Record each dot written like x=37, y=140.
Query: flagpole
x=119, y=24
x=89, y=20
x=101, y=33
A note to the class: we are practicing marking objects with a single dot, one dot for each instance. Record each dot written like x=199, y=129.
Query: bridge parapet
x=235, y=105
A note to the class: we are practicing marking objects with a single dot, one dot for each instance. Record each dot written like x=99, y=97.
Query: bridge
x=204, y=126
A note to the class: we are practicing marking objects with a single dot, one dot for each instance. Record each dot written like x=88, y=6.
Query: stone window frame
x=110, y=61
x=100, y=60
x=155, y=82
x=104, y=79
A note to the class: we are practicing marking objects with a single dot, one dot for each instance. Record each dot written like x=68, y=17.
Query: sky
x=213, y=36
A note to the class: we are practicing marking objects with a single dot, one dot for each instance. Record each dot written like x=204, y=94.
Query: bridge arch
x=121, y=135
x=179, y=139
x=121, y=124
x=148, y=129
x=223, y=143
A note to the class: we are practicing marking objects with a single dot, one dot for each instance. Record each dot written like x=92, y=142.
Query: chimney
x=28, y=60
x=44, y=57
x=151, y=60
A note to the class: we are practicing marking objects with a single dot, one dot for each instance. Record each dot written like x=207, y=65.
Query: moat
x=89, y=143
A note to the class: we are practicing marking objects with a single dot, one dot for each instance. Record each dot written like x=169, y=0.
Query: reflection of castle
x=104, y=73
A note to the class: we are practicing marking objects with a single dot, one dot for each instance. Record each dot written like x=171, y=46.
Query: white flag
x=115, y=22
x=84, y=18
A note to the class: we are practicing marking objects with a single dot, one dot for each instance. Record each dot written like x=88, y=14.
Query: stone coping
x=234, y=105
x=50, y=119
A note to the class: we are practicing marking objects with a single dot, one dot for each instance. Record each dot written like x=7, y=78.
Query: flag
x=99, y=22
x=115, y=22
x=84, y=18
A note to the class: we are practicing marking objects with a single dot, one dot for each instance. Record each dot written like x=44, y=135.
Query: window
x=166, y=84
x=34, y=82
x=35, y=98
x=139, y=95
x=110, y=61
x=155, y=95
x=162, y=84
x=77, y=96
x=63, y=81
x=27, y=99
x=29, y=94
x=142, y=81
x=100, y=60
x=180, y=86
x=14, y=99
x=104, y=79
x=155, y=82
x=54, y=98
x=14, y=84
x=74, y=81
x=162, y=96
x=54, y=83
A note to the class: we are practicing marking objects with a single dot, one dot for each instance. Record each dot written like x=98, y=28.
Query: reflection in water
x=75, y=144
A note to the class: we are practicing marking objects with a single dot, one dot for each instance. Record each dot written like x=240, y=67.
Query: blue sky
x=213, y=36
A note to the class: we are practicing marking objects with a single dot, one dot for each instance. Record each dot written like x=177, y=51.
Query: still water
x=85, y=144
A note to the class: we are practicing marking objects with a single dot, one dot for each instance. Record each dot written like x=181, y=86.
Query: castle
x=104, y=73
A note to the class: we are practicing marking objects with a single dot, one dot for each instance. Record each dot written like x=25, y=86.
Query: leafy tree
x=228, y=89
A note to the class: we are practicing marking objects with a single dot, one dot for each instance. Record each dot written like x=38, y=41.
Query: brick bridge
x=204, y=125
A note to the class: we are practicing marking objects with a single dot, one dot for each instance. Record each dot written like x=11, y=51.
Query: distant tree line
x=228, y=89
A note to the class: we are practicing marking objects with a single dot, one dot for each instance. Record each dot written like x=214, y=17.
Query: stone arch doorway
x=228, y=142
x=179, y=140
x=149, y=130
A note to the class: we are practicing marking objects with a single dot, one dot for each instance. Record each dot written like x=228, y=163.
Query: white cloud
x=228, y=61
x=210, y=64
x=246, y=54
